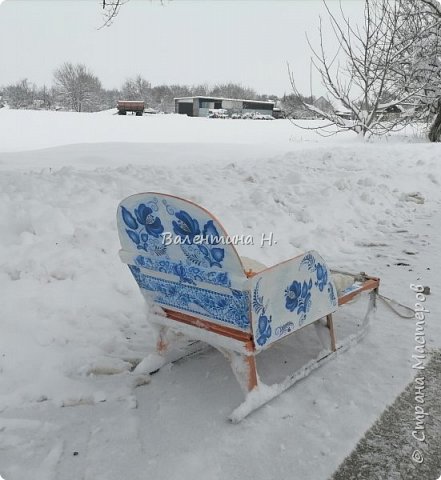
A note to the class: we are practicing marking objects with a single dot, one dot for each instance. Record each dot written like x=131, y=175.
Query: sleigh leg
x=162, y=342
x=170, y=347
x=251, y=375
x=244, y=369
x=157, y=359
x=330, y=324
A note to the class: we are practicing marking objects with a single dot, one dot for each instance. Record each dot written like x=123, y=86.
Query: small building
x=344, y=113
x=341, y=111
x=201, y=106
x=323, y=104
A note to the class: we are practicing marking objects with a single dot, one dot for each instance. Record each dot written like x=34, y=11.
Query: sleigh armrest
x=361, y=283
x=289, y=296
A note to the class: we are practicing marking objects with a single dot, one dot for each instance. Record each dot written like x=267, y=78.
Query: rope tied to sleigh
x=392, y=304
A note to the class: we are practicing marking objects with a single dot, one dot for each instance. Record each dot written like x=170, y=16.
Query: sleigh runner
x=208, y=293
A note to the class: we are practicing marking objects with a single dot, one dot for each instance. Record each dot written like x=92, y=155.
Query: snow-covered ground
x=73, y=322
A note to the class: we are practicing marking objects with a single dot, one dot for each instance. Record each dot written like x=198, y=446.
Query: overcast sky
x=178, y=41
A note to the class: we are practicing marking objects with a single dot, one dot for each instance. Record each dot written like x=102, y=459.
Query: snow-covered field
x=73, y=321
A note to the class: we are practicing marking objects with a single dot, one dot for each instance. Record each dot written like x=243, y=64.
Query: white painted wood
x=289, y=296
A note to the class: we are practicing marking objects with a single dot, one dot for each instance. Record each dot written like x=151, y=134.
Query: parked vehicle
x=134, y=106
x=217, y=113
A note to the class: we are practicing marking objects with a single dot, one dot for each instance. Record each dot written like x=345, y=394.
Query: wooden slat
x=211, y=327
x=370, y=284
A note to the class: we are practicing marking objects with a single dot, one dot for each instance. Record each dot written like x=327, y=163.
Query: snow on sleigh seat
x=180, y=257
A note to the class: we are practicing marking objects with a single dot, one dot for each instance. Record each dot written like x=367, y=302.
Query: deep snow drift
x=73, y=323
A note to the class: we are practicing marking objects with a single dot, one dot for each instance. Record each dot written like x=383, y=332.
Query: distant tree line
x=76, y=88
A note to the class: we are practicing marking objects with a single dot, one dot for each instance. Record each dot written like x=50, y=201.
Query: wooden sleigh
x=182, y=259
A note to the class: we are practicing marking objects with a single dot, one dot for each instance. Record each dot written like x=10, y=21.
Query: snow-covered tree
x=45, y=97
x=21, y=94
x=77, y=87
x=417, y=66
x=163, y=96
x=293, y=106
x=137, y=88
x=233, y=90
x=109, y=99
x=360, y=83
x=391, y=62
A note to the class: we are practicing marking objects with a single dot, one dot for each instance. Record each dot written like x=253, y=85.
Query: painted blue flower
x=150, y=222
x=185, y=227
x=264, y=329
x=217, y=255
x=298, y=296
x=202, y=252
x=213, y=255
x=128, y=218
x=210, y=233
x=322, y=276
x=134, y=236
x=292, y=294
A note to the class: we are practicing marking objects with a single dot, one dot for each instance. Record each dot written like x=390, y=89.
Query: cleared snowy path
x=389, y=451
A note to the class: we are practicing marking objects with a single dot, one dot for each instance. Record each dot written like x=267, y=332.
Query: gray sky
x=180, y=41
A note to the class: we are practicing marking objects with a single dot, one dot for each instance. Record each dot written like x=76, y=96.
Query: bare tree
x=111, y=9
x=137, y=88
x=77, y=88
x=233, y=90
x=364, y=80
x=21, y=94
x=44, y=97
x=419, y=63
x=293, y=106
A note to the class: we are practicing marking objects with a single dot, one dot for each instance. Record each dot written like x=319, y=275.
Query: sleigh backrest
x=181, y=256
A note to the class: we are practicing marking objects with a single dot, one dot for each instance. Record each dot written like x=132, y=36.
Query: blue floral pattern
x=331, y=293
x=144, y=229
x=322, y=276
x=149, y=224
x=309, y=262
x=186, y=228
x=284, y=329
x=231, y=308
x=186, y=273
x=264, y=321
x=298, y=298
x=206, y=254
